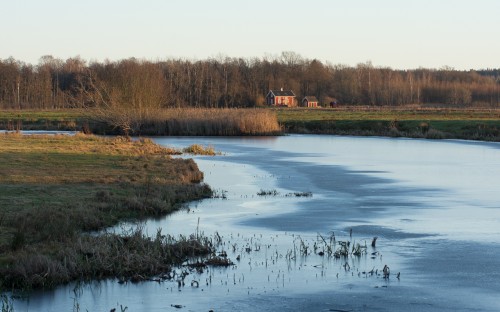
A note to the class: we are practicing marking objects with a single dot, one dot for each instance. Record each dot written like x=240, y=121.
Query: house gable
x=281, y=98
x=310, y=101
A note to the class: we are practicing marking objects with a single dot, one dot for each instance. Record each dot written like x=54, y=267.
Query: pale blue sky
x=398, y=33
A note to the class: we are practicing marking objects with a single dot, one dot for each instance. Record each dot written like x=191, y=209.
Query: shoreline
x=325, y=290
x=57, y=188
x=428, y=123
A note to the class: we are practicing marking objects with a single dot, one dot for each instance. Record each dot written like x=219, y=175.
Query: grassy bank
x=53, y=189
x=471, y=124
x=64, y=120
x=409, y=121
x=200, y=121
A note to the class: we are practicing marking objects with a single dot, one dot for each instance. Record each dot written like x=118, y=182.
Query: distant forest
x=234, y=82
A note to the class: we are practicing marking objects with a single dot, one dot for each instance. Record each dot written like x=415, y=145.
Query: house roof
x=310, y=98
x=282, y=92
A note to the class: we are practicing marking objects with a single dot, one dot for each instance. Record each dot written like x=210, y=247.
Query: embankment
x=469, y=124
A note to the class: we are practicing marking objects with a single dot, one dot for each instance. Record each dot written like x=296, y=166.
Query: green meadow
x=432, y=123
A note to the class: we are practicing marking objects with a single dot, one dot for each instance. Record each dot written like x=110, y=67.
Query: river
x=434, y=206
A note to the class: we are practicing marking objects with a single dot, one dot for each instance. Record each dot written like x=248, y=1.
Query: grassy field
x=53, y=189
x=43, y=120
x=433, y=123
x=385, y=113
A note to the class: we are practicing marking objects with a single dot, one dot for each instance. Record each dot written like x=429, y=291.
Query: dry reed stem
x=191, y=121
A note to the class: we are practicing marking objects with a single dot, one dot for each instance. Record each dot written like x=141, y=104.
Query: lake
x=433, y=205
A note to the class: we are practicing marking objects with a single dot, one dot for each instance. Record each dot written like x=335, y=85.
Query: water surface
x=434, y=206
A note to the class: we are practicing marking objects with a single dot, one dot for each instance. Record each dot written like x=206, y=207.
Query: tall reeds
x=193, y=121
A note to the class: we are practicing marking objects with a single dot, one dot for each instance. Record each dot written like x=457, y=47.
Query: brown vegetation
x=134, y=257
x=233, y=82
x=204, y=122
x=55, y=188
x=137, y=121
x=44, y=246
x=138, y=97
x=197, y=149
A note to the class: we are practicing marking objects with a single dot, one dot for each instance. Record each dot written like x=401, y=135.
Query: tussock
x=197, y=149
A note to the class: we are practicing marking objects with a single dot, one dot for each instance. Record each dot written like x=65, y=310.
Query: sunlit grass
x=432, y=123
x=386, y=113
x=463, y=123
x=53, y=188
x=81, y=159
x=33, y=115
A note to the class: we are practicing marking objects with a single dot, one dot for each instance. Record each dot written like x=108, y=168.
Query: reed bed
x=417, y=121
x=192, y=121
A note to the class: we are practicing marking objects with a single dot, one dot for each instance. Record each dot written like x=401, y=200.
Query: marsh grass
x=55, y=188
x=171, y=121
x=268, y=192
x=387, y=113
x=130, y=257
x=197, y=149
x=188, y=121
x=414, y=122
x=218, y=261
x=62, y=120
x=211, y=122
x=406, y=121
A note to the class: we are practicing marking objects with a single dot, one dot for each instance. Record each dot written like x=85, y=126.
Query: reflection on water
x=432, y=204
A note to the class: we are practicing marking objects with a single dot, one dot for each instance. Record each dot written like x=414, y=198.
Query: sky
x=401, y=34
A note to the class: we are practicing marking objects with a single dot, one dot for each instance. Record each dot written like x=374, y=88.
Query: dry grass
x=54, y=188
x=186, y=121
x=197, y=149
x=82, y=144
x=133, y=257
x=441, y=122
x=191, y=121
x=58, y=159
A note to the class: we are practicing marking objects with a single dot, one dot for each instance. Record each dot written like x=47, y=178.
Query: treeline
x=233, y=82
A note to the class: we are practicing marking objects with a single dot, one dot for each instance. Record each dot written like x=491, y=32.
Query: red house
x=310, y=101
x=281, y=98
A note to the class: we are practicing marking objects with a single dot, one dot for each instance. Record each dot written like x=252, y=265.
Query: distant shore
x=412, y=121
